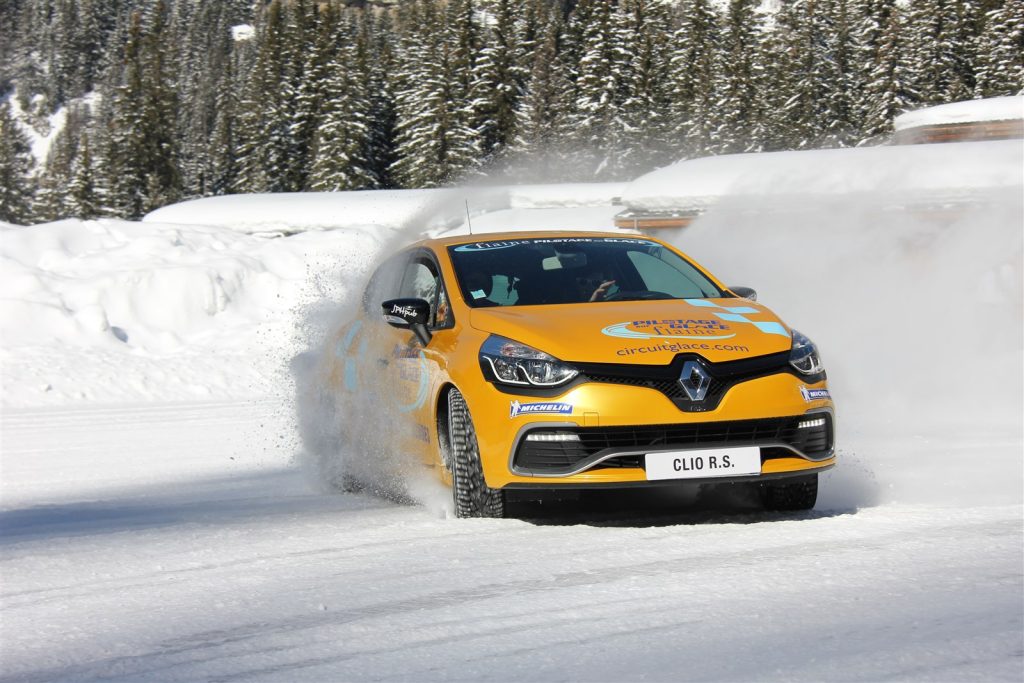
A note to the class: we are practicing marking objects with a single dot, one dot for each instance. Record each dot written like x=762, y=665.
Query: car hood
x=641, y=332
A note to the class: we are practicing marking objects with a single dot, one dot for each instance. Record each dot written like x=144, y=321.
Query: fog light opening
x=807, y=424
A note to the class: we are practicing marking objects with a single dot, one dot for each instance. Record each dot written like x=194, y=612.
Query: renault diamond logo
x=694, y=380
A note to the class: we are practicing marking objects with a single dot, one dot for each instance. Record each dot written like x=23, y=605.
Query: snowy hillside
x=158, y=522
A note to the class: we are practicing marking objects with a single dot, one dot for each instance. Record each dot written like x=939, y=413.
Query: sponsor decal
x=737, y=314
x=679, y=347
x=352, y=357
x=603, y=240
x=669, y=329
x=409, y=350
x=414, y=370
x=814, y=394
x=488, y=246
x=407, y=311
x=694, y=329
x=516, y=408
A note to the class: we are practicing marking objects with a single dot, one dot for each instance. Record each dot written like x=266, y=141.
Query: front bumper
x=614, y=426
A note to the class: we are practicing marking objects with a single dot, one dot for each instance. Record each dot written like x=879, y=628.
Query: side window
x=421, y=281
x=659, y=276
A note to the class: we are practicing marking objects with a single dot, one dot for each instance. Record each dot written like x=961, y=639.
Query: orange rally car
x=564, y=360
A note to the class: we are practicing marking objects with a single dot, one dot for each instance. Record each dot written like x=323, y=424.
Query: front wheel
x=472, y=496
x=797, y=493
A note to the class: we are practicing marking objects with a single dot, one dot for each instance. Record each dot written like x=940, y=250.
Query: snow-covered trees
x=15, y=166
x=435, y=140
x=1001, y=51
x=140, y=110
x=198, y=97
x=342, y=144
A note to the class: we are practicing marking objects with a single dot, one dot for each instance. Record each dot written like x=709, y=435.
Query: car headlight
x=804, y=355
x=514, y=363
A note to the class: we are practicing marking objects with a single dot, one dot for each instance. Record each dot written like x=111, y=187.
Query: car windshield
x=570, y=270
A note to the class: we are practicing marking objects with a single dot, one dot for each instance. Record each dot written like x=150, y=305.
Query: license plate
x=710, y=462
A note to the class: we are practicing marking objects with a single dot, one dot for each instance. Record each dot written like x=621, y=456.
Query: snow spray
x=349, y=438
x=918, y=313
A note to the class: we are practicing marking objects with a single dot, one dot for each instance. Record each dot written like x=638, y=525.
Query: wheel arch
x=442, y=425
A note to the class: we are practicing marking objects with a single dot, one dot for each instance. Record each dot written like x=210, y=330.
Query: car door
x=419, y=367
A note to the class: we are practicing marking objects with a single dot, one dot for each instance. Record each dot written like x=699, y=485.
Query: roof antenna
x=468, y=222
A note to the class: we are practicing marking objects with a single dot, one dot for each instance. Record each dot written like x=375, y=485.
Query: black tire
x=472, y=496
x=797, y=493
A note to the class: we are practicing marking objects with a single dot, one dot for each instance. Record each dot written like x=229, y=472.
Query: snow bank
x=418, y=211
x=882, y=176
x=113, y=310
x=580, y=218
x=564, y=195
x=307, y=211
x=215, y=301
x=991, y=109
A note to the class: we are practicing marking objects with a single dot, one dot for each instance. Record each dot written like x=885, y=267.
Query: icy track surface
x=189, y=550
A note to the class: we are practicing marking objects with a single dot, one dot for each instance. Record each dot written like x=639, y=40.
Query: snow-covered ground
x=156, y=522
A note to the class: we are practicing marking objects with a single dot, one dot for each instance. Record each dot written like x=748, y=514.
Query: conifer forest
x=157, y=101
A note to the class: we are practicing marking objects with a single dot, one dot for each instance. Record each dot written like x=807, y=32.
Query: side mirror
x=744, y=292
x=408, y=314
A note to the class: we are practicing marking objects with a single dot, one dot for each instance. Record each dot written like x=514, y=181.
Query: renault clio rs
x=560, y=361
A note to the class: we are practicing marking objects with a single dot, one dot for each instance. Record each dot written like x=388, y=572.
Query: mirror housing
x=408, y=314
x=744, y=292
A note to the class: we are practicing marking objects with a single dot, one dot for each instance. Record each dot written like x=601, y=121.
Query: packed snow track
x=190, y=548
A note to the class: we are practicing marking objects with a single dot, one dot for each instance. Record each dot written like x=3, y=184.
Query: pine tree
x=263, y=125
x=809, y=52
x=342, y=141
x=498, y=81
x=51, y=197
x=739, y=113
x=941, y=36
x=207, y=56
x=647, y=97
x=141, y=151
x=301, y=90
x=83, y=197
x=845, y=79
x=599, y=92
x=435, y=141
x=538, y=149
x=889, y=90
x=695, y=65
x=1001, y=51
x=377, y=52
x=87, y=38
x=16, y=164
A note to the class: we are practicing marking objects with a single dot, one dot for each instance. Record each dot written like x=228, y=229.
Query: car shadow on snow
x=218, y=500
x=657, y=506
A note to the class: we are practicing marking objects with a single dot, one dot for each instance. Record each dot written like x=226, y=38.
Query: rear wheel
x=472, y=496
x=797, y=493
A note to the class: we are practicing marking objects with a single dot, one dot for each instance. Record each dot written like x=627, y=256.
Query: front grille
x=772, y=434
x=665, y=378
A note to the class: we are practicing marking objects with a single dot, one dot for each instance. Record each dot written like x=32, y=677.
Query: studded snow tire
x=472, y=496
